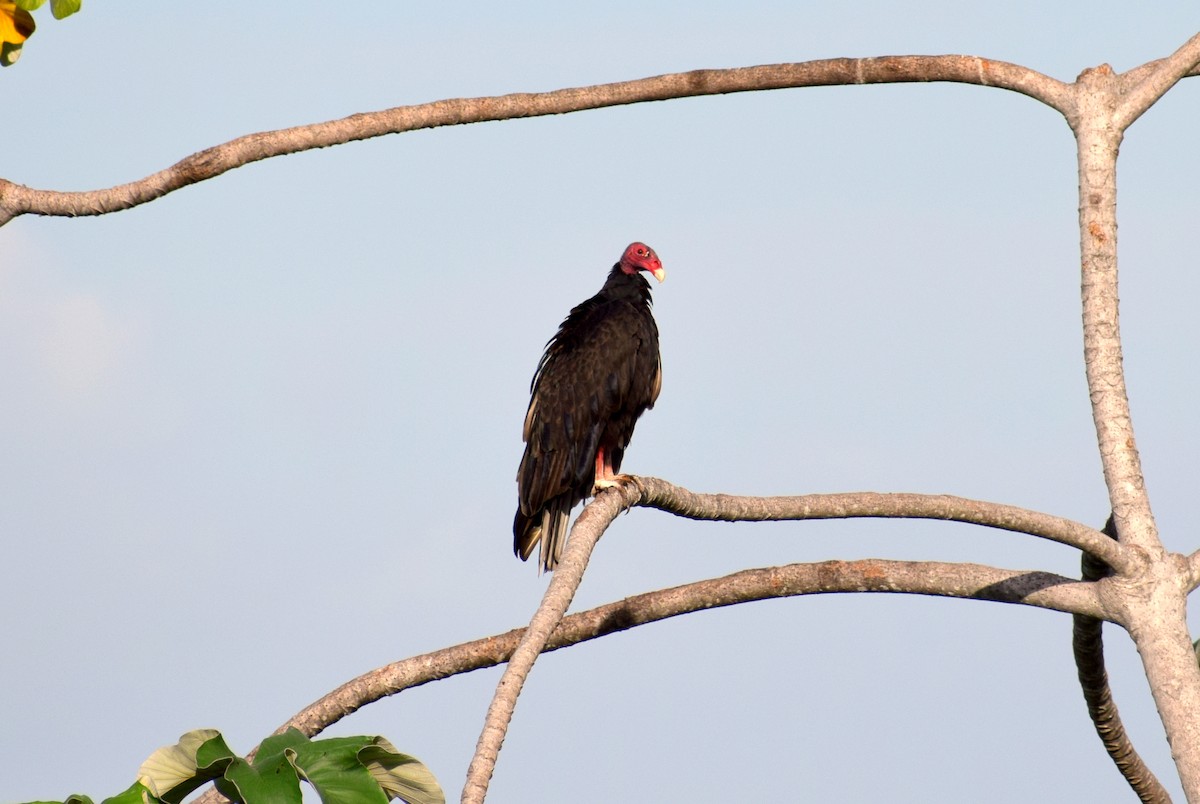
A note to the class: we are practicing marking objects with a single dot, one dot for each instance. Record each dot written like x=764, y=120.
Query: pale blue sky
x=260, y=436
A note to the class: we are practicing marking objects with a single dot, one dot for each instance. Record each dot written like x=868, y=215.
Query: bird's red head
x=640, y=257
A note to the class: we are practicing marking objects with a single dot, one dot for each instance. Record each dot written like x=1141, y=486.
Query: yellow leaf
x=16, y=24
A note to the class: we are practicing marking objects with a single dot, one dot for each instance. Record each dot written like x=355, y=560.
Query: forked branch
x=1143, y=87
x=551, y=631
x=1151, y=602
x=596, y=517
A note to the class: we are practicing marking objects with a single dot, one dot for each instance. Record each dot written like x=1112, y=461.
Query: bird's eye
x=641, y=252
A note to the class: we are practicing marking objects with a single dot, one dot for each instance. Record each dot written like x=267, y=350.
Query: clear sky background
x=259, y=437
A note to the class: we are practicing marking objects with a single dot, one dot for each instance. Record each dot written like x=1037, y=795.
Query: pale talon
x=609, y=482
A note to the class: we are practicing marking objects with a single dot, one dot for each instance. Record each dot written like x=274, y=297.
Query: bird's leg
x=605, y=477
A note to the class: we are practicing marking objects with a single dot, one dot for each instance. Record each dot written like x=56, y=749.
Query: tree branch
x=1087, y=643
x=1144, y=87
x=939, y=579
x=1098, y=142
x=16, y=199
x=549, y=631
x=1151, y=602
x=589, y=526
x=724, y=507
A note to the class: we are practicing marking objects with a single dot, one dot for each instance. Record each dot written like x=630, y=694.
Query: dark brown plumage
x=599, y=373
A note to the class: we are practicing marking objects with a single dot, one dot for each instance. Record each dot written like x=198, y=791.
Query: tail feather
x=548, y=528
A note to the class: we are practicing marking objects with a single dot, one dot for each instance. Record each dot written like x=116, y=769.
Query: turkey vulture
x=600, y=371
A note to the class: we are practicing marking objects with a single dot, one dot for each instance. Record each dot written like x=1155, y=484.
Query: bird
x=599, y=373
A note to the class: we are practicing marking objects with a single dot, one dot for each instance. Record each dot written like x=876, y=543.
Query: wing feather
x=596, y=377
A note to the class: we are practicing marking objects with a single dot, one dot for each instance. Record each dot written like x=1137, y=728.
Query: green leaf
x=213, y=752
x=277, y=743
x=30, y=5
x=331, y=766
x=63, y=8
x=356, y=770
x=174, y=771
x=400, y=775
x=270, y=780
x=343, y=770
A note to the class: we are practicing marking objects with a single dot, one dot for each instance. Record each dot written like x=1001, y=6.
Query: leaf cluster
x=17, y=25
x=343, y=770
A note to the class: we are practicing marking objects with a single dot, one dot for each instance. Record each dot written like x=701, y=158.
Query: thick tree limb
x=1087, y=643
x=16, y=199
x=971, y=581
x=1098, y=140
x=1151, y=602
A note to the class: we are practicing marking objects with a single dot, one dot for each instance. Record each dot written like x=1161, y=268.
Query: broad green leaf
x=270, y=780
x=213, y=752
x=400, y=775
x=350, y=770
x=30, y=5
x=276, y=743
x=331, y=766
x=343, y=770
x=174, y=771
x=64, y=8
